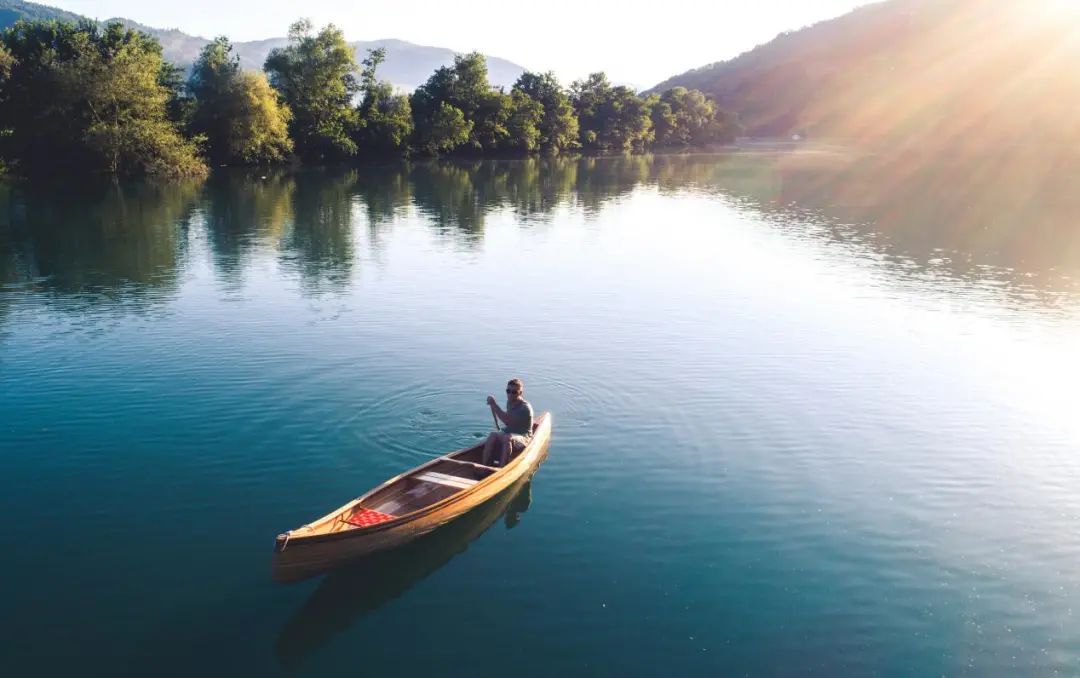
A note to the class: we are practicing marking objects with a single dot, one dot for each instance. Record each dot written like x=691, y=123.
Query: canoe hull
x=300, y=558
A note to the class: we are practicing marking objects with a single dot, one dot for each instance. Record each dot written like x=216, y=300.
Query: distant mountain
x=955, y=71
x=407, y=65
x=13, y=10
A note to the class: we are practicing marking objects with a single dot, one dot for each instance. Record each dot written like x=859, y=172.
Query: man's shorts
x=519, y=442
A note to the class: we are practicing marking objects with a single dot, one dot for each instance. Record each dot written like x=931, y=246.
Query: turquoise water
x=811, y=415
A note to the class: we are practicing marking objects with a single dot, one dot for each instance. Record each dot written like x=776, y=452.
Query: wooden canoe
x=404, y=508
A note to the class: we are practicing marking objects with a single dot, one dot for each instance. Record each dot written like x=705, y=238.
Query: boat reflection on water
x=363, y=586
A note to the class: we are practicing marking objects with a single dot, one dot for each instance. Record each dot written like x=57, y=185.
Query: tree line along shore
x=85, y=97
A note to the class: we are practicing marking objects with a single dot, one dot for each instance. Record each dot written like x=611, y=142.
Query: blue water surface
x=803, y=424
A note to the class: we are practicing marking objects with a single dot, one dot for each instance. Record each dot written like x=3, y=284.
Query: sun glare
x=1065, y=9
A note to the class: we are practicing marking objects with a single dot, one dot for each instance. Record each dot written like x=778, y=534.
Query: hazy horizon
x=629, y=40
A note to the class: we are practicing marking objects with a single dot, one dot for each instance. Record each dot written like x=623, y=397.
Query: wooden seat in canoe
x=448, y=480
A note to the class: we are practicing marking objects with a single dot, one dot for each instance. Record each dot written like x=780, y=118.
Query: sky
x=636, y=42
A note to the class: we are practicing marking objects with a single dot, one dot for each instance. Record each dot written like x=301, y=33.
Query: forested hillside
x=952, y=71
x=13, y=10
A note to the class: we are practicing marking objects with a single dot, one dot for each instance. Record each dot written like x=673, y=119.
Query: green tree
x=443, y=130
x=237, y=113
x=89, y=98
x=385, y=118
x=491, y=119
x=179, y=105
x=462, y=87
x=683, y=117
x=558, y=124
x=369, y=73
x=212, y=85
x=439, y=126
x=610, y=117
x=316, y=77
x=260, y=123
x=665, y=124
x=523, y=123
x=588, y=97
x=7, y=62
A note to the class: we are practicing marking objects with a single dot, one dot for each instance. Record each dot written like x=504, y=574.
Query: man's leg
x=489, y=448
x=506, y=449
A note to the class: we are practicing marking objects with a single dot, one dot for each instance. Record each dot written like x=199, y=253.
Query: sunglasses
x=512, y=391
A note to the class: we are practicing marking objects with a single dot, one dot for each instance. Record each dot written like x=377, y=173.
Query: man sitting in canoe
x=518, y=420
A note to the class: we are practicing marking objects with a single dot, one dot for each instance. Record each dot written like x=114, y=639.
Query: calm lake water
x=812, y=414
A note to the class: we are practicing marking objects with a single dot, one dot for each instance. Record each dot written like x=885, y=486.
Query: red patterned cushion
x=363, y=517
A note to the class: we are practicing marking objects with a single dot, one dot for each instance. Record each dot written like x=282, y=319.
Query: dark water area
x=814, y=413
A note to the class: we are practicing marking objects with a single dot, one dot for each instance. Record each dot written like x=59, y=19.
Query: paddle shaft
x=496, y=419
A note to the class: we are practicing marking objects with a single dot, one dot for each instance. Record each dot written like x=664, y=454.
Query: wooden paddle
x=495, y=418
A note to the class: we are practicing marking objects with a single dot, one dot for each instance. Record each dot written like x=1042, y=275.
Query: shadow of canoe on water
x=364, y=586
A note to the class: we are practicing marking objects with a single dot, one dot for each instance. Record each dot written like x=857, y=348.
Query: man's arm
x=498, y=411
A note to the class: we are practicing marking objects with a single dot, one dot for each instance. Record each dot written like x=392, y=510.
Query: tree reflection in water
x=1001, y=219
x=245, y=210
x=96, y=243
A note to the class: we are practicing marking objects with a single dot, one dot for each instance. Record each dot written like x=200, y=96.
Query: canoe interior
x=423, y=486
x=420, y=489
